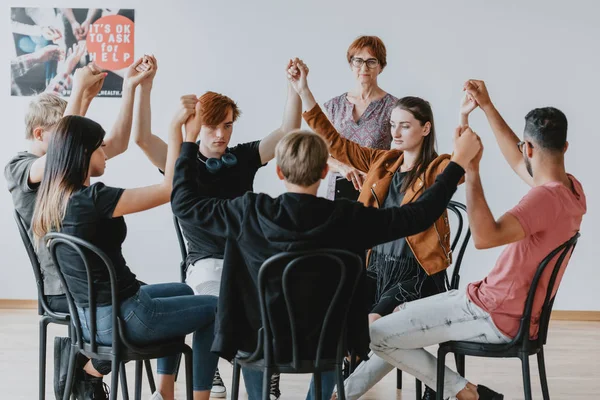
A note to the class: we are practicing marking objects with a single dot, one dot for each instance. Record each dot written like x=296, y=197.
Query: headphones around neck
x=214, y=165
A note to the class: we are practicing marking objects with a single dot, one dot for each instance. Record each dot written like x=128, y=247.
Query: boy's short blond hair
x=44, y=111
x=302, y=157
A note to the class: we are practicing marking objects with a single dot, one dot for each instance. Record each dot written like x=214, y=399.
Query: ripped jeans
x=398, y=341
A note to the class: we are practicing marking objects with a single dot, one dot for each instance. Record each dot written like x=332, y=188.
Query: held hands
x=467, y=147
x=92, y=91
x=297, y=73
x=138, y=71
x=478, y=91
x=189, y=109
x=86, y=77
x=467, y=104
x=353, y=175
x=149, y=64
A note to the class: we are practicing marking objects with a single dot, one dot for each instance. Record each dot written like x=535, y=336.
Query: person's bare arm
x=506, y=138
x=118, y=139
x=487, y=232
x=153, y=146
x=145, y=198
x=292, y=118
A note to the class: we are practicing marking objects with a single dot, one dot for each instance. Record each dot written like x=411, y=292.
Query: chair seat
x=474, y=349
x=304, y=367
x=150, y=351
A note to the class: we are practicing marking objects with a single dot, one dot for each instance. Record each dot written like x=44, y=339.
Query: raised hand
x=194, y=123
x=86, y=77
x=297, y=74
x=467, y=104
x=466, y=146
x=151, y=65
x=478, y=91
x=92, y=91
x=187, y=108
x=137, y=72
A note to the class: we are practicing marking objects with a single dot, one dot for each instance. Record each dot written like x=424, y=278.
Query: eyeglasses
x=358, y=62
x=521, y=144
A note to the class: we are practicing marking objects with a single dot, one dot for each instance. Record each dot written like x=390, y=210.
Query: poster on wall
x=51, y=43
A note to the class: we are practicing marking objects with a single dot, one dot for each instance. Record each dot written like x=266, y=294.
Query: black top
x=89, y=217
x=228, y=183
x=257, y=226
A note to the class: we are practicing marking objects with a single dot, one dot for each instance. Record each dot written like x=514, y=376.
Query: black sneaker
x=218, y=387
x=88, y=387
x=486, y=393
x=62, y=349
x=274, y=389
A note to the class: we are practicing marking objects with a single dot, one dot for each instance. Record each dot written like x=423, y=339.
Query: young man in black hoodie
x=257, y=226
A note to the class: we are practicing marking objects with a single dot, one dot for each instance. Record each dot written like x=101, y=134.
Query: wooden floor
x=572, y=358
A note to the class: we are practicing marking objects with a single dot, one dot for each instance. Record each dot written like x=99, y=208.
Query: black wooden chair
x=462, y=235
x=295, y=338
x=121, y=350
x=47, y=315
x=182, y=249
x=521, y=346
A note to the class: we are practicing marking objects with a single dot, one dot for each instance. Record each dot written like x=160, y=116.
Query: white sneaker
x=218, y=387
x=156, y=396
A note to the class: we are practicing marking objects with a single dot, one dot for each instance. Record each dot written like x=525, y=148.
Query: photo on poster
x=51, y=43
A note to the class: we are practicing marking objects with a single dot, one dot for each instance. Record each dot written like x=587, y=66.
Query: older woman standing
x=361, y=115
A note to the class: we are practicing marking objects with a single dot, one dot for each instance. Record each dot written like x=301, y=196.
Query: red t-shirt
x=550, y=215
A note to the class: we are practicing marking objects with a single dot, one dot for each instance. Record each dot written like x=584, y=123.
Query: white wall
x=531, y=54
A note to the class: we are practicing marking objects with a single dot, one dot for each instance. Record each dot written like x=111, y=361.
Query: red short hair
x=374, y=44
x=215, y=107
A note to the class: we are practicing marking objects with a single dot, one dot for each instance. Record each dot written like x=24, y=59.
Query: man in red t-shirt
x=488, y=311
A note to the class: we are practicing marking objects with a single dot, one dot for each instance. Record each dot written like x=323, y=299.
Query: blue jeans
x=161, y=312
x=254, y=381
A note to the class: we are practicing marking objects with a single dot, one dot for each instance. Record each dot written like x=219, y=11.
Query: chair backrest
x=462, y=235
x=559, y=254
x=290, y=285
x=84, y=249
x=43, y=307
x=182, y=248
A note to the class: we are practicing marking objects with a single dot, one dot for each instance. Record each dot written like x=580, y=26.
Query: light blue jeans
x=162, y=312
x=398, y=340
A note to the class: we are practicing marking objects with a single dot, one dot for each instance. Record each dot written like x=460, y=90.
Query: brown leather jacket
x=430, y=247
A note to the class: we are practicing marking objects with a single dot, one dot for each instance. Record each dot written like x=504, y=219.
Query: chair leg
x=318, y=385
x=114, y=381
x=460, y=364
x=341, y=390
x=543, y=377
x=526, y=377
x=70, y=372
x=418, y=389
x=441, y=370
x=235, y=385
x=177, y=367
x=148, y=366
x=398, y=379
x=139, y=366
x=267, y=383
x=124, y=388
x=42, y=357
x=189, y=375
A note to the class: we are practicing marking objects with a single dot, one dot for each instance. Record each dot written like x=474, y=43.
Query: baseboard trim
x=18, y=304
x=557, y=315
x=568, y=315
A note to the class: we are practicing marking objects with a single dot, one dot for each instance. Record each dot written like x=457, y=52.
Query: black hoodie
x=257, y=226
